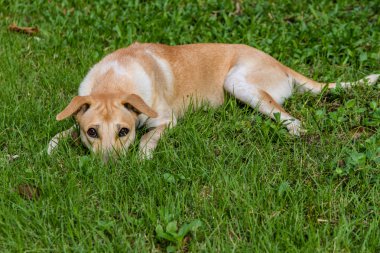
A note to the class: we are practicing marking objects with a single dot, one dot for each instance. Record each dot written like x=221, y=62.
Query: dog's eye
x=123, y=132
x=92, y=133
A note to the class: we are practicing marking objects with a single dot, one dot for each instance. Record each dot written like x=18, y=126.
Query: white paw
x=53, y=143
x=146, y=154
x=294, y=127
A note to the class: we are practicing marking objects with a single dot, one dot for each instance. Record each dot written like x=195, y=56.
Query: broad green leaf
x=363, y=57
x=161, y=234
x=172, y=228
x=169, y=178
x=171, y=249
x=186, y=228
x=283, y=188
x=84, y=161
x=373, y=105
x=350, y=103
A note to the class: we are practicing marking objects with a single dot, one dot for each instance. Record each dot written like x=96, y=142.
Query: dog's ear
x=137, y=104
x=74, y=106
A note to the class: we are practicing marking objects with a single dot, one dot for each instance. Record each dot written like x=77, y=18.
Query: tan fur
x=153, y=85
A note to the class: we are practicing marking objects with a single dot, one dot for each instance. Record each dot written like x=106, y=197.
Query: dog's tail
x=306, y=84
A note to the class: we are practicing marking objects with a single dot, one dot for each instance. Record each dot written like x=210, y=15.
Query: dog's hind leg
x=55, y=140
x=254, y=95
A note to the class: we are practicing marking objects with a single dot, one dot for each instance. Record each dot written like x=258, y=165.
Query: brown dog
x=153, y=84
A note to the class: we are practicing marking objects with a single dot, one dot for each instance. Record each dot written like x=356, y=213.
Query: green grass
x=253, y=187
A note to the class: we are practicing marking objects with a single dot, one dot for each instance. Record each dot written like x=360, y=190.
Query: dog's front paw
x=146, y=150
x=145, y=154
x=294, y=127
x=53, y=143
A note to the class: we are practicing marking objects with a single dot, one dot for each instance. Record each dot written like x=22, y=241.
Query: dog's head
x=107, y=122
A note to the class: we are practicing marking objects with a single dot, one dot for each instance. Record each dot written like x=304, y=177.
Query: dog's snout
x=106, y=157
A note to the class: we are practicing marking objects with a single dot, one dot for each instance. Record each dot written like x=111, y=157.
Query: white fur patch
x=236, y=84
x=100, y=69
x=282, y=91
x=115, y=66
x=86, y=85
x=142, y=83
x=166, y=70
x=166, y=116
x=369, y=80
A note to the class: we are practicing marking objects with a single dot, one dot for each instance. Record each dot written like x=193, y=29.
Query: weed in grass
x=175, y=235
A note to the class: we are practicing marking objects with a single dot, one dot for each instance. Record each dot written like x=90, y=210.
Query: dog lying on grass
x=153, y=84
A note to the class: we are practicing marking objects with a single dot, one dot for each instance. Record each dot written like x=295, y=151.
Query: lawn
x=223, y=180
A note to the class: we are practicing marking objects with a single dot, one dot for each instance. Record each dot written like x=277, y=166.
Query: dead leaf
x=12, y=157
x=319, y=220
x=274, y=214
x=334, y=106
x=185, y=243
x=217, y=152
x=28, y=192
x=357, y=133
x=290, y=19
x=206, y=192
x=238, y=9
x=28, y=30
x=312, y=138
